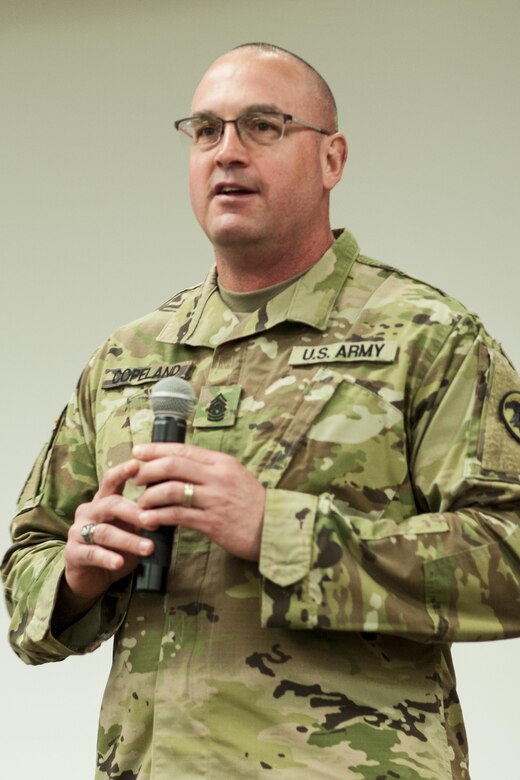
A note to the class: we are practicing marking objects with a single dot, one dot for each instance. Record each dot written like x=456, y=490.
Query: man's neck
x=245, y=269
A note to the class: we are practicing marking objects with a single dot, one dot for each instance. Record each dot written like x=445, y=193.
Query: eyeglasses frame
x=286, y=118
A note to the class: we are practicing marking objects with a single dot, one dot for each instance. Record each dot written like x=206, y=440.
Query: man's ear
x=335, y=151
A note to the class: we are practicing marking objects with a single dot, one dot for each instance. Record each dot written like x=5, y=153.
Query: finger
x=172, y=467
x=114, y=538
x=176, y=515
x=114, y=479
x=185, y=494
x=152, y=450
x=112, y=507
x=80, y=555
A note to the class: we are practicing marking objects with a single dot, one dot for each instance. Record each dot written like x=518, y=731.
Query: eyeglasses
x=259, y=127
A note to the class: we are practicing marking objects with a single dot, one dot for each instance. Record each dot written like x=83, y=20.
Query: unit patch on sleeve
x=345, y=352
x=510, y=413
x=136, y=375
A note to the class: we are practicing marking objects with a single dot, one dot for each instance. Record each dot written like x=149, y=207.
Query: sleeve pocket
x=287, y=536
x=32, y=490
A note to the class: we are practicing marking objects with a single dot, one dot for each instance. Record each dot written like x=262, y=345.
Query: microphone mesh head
x=172, y=397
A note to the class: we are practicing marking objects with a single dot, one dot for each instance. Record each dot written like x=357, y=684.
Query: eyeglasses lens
x=259, y=128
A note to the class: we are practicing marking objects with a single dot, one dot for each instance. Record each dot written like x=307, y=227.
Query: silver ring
x=187, y=496
x=87, y=533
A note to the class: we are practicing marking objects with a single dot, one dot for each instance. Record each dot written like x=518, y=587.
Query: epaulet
x=363, y=259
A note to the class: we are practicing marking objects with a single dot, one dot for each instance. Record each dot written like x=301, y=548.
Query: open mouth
x=232, y=190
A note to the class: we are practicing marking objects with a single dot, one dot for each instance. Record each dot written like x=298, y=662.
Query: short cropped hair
x=325, y=95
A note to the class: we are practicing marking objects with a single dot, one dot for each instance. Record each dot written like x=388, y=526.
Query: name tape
x=124, y=377
x=345, y=352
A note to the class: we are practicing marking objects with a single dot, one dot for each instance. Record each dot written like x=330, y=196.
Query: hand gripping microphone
x=172, y=400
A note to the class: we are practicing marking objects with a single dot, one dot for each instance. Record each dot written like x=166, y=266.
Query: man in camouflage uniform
x=355, y=457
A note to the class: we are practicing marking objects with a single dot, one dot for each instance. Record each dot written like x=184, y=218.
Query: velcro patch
x=217, y=406
x=142, y=375
x=345, y=352
x=500, y=436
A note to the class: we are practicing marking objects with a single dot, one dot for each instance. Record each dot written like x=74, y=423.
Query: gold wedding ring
x=187, y=496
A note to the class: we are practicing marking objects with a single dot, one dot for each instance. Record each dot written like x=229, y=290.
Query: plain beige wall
x=96, y=229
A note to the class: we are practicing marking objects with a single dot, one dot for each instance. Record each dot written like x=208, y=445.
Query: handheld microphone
x=172, y=400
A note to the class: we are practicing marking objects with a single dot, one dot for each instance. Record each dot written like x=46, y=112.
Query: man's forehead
x=267, y=74
x=258, y=58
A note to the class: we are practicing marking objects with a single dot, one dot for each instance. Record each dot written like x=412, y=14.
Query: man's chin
x=234, y=236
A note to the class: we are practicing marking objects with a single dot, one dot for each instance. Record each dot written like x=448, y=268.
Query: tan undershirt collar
x=243, y=303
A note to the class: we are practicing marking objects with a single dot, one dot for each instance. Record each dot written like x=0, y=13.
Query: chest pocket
x=328, y=432
x=124, y=418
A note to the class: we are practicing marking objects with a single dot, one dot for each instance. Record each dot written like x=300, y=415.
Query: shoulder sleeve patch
x=509, y=409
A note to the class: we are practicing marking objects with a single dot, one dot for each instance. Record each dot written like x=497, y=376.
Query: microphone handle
x=152, y=572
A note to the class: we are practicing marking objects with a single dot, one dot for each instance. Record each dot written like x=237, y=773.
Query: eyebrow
x=254, y=108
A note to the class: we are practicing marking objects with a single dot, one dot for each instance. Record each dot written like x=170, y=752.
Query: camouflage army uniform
x=384, y=422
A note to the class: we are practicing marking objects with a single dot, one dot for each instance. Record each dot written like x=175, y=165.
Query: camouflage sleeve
x=63, y=477
x=450, y=571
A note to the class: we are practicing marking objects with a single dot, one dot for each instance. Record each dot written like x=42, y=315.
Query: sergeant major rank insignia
x=217, y=406
x=510, y=413
x=217, y=409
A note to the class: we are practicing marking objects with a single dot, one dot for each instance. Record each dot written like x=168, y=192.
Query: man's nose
x=231, y=148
